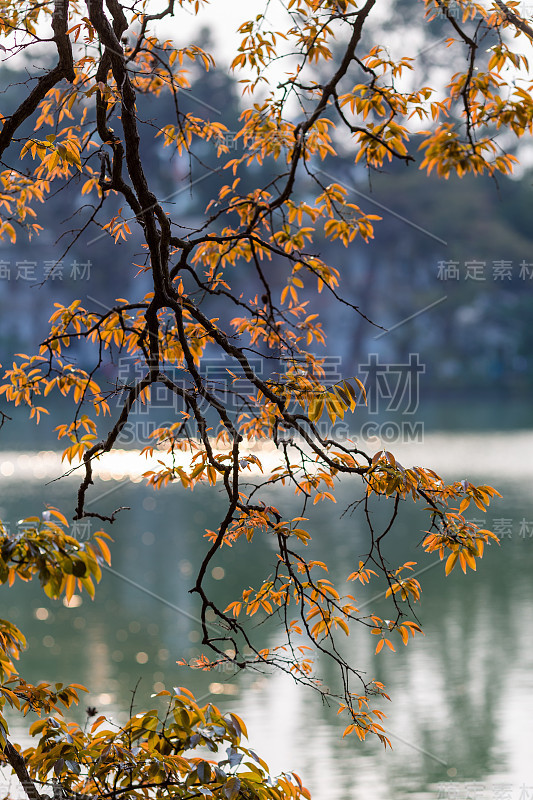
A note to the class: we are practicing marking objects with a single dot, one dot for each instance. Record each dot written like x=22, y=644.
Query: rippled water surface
x=461, y=716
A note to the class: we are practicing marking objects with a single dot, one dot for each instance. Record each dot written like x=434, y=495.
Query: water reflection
x=462, y=697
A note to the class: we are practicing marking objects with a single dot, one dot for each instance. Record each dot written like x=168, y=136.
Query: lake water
x=461, y=716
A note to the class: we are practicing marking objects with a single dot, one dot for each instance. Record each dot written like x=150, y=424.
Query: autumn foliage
x=339, y=87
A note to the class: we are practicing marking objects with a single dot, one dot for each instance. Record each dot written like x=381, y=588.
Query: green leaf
x=232, y=788
x=203, y=771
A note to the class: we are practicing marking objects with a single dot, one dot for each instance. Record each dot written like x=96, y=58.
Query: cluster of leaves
x=154, y=752
x=147, y=752
x=62, y=564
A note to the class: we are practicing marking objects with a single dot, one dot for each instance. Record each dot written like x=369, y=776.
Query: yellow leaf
x=58, y=515
x=70, y=587
x=451, y=561
x=344, y=626
x=464, y=505
x=104, y=548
